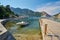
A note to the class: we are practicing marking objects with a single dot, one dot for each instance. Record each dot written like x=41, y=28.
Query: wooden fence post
x=45, y=29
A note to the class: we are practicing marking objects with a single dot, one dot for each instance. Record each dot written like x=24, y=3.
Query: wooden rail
x=50, y=29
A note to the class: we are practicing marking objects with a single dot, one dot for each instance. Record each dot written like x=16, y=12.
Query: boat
x=22, y=23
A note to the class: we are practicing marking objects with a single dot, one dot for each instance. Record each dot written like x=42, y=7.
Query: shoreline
x=27, y=37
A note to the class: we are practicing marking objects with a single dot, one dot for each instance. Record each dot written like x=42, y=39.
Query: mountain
x=44, y=14
x=28, y=12
x=57, y=15
x=25, y=12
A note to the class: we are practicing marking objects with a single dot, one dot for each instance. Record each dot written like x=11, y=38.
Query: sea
x=33, y=26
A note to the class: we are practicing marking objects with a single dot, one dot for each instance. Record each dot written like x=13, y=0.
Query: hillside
x=5, y=12
x=8, y=12
x=57, y=15
x=27, y=12
x=44, y=14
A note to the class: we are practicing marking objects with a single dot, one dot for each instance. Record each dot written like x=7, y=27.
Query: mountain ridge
x=28, y=12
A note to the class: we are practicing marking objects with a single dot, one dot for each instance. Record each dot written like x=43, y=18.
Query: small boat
x=22, y=23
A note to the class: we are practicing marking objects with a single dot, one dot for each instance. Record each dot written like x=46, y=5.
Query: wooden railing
x=51, y=34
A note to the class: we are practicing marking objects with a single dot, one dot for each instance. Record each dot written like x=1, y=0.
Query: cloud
x=50, y=8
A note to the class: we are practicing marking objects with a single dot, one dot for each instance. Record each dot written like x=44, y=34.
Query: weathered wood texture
x=50, y=29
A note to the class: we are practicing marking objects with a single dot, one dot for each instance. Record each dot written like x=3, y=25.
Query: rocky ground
x=27, y=37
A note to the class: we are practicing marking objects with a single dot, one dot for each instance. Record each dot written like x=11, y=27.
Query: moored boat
x=22, y=23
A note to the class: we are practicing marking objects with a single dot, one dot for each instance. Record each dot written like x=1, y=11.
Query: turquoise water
x=32, y=28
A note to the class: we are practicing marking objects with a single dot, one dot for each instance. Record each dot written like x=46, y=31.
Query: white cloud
x=50, y=8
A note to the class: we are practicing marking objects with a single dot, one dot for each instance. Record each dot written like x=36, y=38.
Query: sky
x=50, y=6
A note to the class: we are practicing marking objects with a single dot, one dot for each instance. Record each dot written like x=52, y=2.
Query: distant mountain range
x=28, y=12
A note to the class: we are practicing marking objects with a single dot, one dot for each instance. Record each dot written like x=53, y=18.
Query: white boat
x=22, y=23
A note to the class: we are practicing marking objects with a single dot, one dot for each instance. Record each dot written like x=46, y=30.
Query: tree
x=5, y=12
